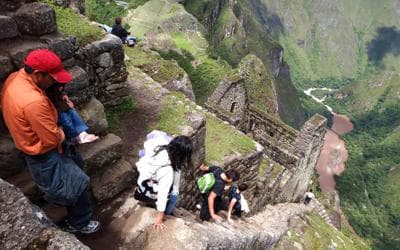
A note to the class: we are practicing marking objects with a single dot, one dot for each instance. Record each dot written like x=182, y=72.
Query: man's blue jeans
x=72, y=123
x=63, y=183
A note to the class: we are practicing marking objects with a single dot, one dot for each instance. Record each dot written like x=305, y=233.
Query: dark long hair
x=179, y=151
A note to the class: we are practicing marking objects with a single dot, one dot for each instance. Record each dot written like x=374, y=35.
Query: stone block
x=102, y=153
x=10, y=5
x=19, y=49
x=104, y=60
x=80, y=80
x=10, y=163
x=6, y=66
x=61, y=45
x=36, y=19
x=8, y=26
x=107, y=44
x=114, y=180
x=25, y=226
x=94, y=116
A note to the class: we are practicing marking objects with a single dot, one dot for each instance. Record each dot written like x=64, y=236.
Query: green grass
x=312, y=232
x=114, y=114
x=103, y=11
x=258, y=83
x=174, y=113
x=263, y=166
x=71, y=24
x=155, y=66
x=222, y=140
x=327, y=235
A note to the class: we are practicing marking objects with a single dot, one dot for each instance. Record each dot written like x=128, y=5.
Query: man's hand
x=217, y=218
x=204, y=167
x=62, y=134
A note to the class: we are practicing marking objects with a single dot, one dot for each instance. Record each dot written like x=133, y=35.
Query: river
x=334, y=154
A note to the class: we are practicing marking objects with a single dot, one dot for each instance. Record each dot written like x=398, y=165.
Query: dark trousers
x=307, y=200
x=237, y=209
x=80, y=214
x=62, y=183
x=219, y=205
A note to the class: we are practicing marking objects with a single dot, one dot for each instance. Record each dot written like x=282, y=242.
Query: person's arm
x=204, y=167
x=230, y=208
x=211, y=210
x=44, y=124
x=165, y=180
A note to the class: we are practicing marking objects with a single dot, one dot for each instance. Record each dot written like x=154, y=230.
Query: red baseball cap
x=47, y=61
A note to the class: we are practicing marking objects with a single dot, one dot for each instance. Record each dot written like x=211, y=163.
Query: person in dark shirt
x=212, y=201
x=234, y=200
x=119, y=31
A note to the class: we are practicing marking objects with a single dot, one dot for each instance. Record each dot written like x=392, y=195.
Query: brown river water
x=334, y=154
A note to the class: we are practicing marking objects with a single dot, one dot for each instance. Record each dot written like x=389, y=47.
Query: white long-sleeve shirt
x=158, y=168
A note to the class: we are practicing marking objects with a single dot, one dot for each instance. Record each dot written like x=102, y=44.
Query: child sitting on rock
x=73, y=125
x=235, y=197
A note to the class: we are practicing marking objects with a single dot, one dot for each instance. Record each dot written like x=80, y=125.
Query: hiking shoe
x=90, y=228
x=198, y=206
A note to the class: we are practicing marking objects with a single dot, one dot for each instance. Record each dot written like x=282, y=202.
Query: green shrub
x=71, y=24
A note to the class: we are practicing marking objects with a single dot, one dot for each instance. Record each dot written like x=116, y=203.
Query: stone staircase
x=130, y=226
x=109, y=172
x=322, y=212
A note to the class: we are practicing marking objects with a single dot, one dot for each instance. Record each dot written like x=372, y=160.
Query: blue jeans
x=62, y=183
x=72, y=123
x=171, y=204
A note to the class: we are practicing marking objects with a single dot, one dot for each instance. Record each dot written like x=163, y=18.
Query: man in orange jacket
x=32, y=121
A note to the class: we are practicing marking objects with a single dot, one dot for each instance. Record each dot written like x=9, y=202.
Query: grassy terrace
x=221, y=139
x=152, y=64
x=70, y=23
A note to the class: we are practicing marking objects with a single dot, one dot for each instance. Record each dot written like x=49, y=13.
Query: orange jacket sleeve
x=43, y=121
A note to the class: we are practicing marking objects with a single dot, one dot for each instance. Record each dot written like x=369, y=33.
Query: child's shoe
x=86, y=138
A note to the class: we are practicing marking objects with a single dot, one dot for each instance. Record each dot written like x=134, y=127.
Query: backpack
x=206, y=182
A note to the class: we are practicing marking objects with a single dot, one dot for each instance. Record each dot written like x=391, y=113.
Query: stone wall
x=294, y=153
x=98, y=69
x=309, y=145
x=190, y=195
x=229, y=101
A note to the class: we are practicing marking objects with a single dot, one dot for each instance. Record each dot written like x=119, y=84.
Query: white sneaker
x=198, y=206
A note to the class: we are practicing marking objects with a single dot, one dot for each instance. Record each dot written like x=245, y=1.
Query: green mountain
x=353, y=47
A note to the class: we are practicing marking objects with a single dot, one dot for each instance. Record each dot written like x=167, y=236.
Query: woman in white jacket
x=160, y=171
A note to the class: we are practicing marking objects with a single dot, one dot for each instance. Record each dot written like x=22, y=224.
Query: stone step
x=101, y=153
x=115, y=179
x=25, y=183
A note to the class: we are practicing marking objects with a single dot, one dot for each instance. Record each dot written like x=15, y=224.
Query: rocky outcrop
x=23, y=225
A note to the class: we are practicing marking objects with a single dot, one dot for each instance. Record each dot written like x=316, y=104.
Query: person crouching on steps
x=73, y=125
x=212, y=201
x=159, y=175
x=234, y=200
